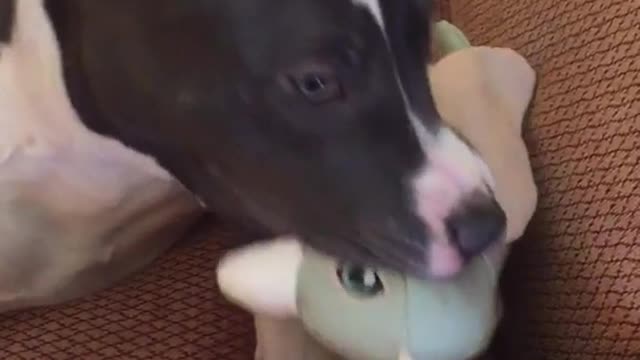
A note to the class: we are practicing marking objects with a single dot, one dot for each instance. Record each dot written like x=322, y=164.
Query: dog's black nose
x=476, y=225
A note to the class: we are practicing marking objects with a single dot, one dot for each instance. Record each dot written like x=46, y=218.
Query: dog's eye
x=360, y=281
x=314, y=80
x=318, y=87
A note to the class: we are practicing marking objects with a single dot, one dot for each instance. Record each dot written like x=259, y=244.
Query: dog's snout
x=476, y=226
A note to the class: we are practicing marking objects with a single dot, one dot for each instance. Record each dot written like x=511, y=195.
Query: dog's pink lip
x=444, y=262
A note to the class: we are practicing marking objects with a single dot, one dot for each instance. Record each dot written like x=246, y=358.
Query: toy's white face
x=357, y=311
x=364, y=313
x=404, y=355
x=372, y=314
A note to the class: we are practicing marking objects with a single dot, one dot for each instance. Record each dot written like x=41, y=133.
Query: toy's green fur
x=449, y=38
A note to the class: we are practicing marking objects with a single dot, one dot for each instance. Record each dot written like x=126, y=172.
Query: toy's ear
x=511, y=77
x=263, y=277
x=497, y=82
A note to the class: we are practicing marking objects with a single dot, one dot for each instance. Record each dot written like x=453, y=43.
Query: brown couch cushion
x=170, y=311
x=573, y=284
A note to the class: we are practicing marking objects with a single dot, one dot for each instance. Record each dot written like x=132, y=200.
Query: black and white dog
x=310, y=117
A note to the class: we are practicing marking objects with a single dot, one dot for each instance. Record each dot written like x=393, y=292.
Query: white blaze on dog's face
x=452, y=178
x=311, y=117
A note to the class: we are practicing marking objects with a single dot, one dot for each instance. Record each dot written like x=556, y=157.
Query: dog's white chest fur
x=77, y=210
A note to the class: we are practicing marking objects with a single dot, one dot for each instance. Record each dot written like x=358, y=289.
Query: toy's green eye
x=360, y=281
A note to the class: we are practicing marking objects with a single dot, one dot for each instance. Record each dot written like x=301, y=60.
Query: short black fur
x=211, y=88
x=7, y=14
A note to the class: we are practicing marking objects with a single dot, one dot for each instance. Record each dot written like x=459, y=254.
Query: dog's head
x=313, y=115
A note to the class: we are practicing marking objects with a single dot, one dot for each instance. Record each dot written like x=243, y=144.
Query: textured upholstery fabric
x=171, y=311
x=573, y=284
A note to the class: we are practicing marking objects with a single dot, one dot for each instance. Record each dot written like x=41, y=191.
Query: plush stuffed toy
x=309, y=306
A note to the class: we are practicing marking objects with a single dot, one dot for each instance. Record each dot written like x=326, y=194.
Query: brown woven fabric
x=171, y=311
x=573, y=284
x=441, y=10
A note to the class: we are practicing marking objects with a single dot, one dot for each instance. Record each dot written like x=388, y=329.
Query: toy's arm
x=286, y=339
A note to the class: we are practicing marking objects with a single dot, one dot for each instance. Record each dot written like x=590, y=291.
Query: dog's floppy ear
x=263, y=277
